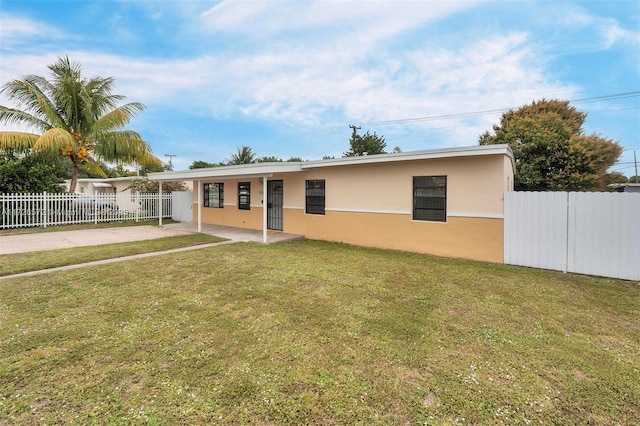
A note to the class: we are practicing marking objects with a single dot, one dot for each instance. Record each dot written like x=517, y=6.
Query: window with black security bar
x=430, y=198
x=214, y=195
x=315, y=193
x=244, y=196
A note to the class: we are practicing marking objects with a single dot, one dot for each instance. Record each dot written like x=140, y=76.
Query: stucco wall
x=460, y=237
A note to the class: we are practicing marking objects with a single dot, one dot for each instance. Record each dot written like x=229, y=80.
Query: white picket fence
x=582, y=232
x=31, y=210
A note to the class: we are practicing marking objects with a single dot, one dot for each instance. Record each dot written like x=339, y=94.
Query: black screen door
x=274, y=204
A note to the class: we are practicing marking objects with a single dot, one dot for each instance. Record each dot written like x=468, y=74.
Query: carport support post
x=265, y=206
x=199, y=206
x=160, y=203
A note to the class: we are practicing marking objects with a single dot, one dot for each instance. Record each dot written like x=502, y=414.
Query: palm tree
x=76, y=118
x=244, y=156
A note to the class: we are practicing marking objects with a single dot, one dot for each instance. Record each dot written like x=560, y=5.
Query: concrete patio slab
x=235, y=234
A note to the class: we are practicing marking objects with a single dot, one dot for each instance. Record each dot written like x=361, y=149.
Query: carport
x=264, y=172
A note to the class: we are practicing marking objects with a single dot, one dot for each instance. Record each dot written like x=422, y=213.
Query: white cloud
x=18, y=31
x=321, y=20
x=598, y=32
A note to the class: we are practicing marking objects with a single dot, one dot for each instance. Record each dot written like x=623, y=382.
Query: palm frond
x=32, y=95
x=16, y=116
x=99, y=91
x=117, y=118
x=54, y=140
x=126, y=147
x=150, y=160
x=18, y=141
x=93, y=168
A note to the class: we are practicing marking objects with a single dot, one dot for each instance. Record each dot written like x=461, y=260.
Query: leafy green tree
x=199, y=164
x=367, y=144
x=155, y=168
x=77, y=118
x=294, y=160
x=551, y=150
x=145, y=186
x=271, y=159
x=30, y=173
x=614, y=177
x=244, y=156
x=634, y=179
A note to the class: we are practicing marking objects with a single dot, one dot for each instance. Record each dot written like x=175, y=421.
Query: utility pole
x=635, y=161
x=170, y=158
x=355, y=128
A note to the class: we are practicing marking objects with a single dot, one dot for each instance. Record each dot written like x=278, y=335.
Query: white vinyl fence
x=583, y=232
x=182, y=206
x=30, y=210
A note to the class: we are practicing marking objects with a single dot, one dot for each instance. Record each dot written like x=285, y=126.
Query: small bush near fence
x=30, y=210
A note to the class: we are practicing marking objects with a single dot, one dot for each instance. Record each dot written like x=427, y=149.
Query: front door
x=274, y=204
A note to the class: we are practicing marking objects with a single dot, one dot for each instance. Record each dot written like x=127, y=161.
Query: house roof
x=103, y=180
x=268, y=169
x=622, y=185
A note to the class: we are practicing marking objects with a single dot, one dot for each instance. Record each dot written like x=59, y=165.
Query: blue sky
x=287, y=78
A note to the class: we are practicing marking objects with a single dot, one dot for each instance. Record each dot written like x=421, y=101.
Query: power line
x=480, y=113
x=601, y=98
x=493, y=111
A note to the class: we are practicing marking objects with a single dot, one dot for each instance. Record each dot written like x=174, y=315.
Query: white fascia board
x=479, y=150
x=230, y=172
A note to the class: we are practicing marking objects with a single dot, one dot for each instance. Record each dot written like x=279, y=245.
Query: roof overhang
x=229, y=172
x=269, y=169
x=101, y=185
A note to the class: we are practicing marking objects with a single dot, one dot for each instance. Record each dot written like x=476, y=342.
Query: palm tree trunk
x=74, y=178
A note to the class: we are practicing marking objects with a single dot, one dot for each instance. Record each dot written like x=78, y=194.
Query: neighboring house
x=625, y=187
x=119, y=186
x=446, y=202
x=102, y=186
x=107, y=185
x=116, y=186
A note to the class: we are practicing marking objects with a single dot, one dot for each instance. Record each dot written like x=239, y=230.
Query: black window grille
x=244, y=195
x=214, y=195
x=315, y=190
x=430, y=198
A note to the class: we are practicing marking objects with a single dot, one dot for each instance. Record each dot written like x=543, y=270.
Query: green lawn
x=32, y=261
x=317, y=333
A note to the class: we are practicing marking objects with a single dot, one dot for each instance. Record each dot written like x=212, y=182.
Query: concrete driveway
x=24, y=243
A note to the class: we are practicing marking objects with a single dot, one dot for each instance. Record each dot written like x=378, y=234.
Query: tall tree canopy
x=551, y=150
x=367, y=144
x=77, y=118
x=244, y=155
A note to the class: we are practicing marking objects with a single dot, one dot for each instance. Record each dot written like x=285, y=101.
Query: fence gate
x=182, y=206
x=583, y=232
